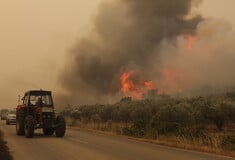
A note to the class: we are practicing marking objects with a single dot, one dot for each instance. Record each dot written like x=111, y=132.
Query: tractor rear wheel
x=19, y=127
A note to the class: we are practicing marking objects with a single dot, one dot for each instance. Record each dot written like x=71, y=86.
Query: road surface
x=77, y=145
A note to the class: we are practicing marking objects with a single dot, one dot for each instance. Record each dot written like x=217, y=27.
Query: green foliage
x=127, y=131
x=186, y=117
x=164, y=127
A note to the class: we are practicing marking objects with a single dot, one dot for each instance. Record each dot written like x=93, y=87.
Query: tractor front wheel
x=60, y=126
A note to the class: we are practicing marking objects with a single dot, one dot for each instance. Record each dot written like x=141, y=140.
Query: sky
x=35, y=37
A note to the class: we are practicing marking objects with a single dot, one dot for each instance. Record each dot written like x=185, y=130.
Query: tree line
x=190, y=118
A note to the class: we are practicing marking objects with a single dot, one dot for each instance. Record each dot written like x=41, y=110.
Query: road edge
x=4, y=150
x=161, y=143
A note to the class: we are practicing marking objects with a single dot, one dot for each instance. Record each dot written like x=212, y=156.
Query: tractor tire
x=48, y=131
x=60, y=126
x=19, y=127
x=19, y=124
x=29, y=126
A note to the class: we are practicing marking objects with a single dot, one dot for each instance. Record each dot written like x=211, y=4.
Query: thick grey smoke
x=208, y=67
x=127, y=35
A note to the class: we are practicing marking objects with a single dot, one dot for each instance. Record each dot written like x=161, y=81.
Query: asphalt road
x=77, y=145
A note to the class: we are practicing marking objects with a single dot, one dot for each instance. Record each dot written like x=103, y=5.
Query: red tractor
x=37, y=111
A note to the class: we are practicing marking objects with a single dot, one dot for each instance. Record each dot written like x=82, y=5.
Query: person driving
x=39, y=101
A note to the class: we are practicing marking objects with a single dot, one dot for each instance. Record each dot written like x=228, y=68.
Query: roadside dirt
x=4, y=150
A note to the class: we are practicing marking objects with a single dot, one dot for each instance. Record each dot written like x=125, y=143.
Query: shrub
x=127, y=131
x=228, y=143
x=164, y=127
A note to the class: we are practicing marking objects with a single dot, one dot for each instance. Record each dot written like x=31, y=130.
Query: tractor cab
x=37, y=111
x=38, y=99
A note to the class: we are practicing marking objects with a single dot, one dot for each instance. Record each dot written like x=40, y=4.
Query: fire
x=134, y=89
x=127, y=84
x=172, y=81
x=190, y=40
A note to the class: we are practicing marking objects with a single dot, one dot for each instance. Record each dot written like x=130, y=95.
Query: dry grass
x=209, y=144
x=112, y=127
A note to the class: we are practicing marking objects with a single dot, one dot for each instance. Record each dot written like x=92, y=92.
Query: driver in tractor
x=38, y=102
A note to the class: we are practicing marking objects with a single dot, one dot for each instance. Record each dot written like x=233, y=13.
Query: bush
x=163, y=127
x=127, y=131
x=76, y=114
x=174, y=114
x=138, y=129
x=228, y=143
x=187, y=117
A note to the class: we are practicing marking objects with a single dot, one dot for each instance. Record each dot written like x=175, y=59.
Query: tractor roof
x=38, y=92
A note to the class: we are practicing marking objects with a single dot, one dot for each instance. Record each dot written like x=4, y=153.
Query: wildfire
x=127, y=84
x=172, y=81
x=136, y=88
x=190, y=40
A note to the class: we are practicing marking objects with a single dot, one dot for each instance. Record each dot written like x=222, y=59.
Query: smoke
x=128, y=35
x=209, y=64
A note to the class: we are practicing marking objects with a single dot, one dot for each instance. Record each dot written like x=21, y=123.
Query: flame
x=172, y=81
x=190, y=40
x=135, y=89
x=128, y=87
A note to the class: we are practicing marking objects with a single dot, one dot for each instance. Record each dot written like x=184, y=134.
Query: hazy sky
x=36, y=35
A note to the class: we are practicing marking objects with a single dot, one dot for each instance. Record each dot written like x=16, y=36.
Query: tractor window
x=40, y=100
x=33, y=100
x=46, y=100
x=25, y=102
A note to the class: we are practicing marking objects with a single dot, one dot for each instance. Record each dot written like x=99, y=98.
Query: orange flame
x=172, y=81
x=129, y=88
x=190, y=40
x=134, y=89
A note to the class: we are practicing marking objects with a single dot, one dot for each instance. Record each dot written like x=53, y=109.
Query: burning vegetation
x=140, y=47
x=134, y=87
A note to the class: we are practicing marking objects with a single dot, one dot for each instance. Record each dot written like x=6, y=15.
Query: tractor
x=36, y=111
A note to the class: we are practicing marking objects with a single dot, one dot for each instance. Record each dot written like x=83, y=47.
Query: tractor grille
x=47, y=115
x=47, y=123
x=48, y=119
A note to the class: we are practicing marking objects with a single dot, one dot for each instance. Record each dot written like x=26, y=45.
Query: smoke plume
x=208, y=64
x=149, y=38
